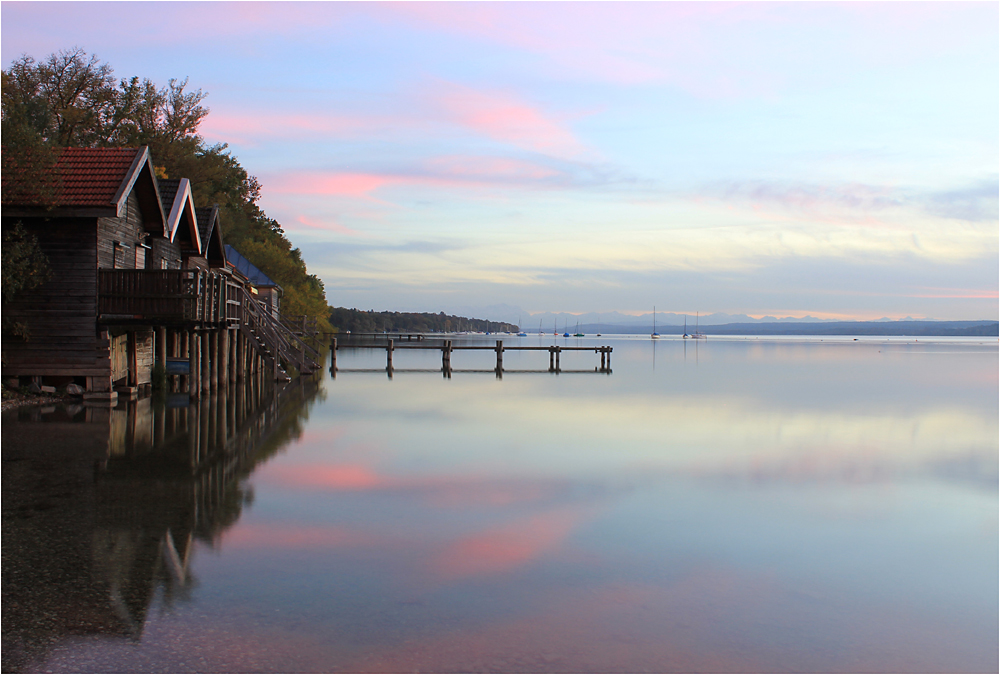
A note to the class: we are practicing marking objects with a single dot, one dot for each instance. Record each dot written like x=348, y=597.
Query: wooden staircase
x=281, y=349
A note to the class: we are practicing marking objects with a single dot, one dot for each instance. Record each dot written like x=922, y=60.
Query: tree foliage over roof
x=72, y=99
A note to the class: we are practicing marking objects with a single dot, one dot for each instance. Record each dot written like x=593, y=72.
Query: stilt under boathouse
x=138, y=280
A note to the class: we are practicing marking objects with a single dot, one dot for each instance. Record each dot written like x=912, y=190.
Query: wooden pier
x=447, y=347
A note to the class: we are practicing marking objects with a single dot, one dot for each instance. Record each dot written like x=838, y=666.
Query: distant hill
x=358, y=321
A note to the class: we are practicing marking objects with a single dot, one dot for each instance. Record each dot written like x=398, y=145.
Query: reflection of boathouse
x=152, y=477
x=139, y=277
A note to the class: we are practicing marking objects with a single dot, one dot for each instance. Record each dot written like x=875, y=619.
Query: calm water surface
x=730, y=505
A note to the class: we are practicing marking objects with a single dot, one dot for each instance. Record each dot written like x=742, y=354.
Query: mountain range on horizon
x=565, y=320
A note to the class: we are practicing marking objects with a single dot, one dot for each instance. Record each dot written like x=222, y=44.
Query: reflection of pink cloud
x=462, y=494
x=325, y=476
x=291, y=536
x=508, y=547
x=438, y=491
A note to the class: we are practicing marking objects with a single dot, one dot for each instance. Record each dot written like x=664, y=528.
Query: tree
x=81, y=103
x=24, y=267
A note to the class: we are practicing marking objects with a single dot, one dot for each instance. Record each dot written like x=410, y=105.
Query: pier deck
x=447, y=347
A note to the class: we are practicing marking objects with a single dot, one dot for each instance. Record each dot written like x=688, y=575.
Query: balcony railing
x=166, y=296
x=185, y=297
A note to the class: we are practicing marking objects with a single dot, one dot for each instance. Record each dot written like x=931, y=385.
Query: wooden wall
x=126, y=229
x=62, y=313
x=163, y=251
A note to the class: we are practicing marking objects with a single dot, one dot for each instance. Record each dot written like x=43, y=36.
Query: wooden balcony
x=165, y=297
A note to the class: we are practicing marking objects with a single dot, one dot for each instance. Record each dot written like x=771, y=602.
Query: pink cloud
x=488, y=170
x=500, y=116
x=251, y=127
x=960, y=293
x=504, y=118
x=327, y=225
x=456, y=171
x=339, y=184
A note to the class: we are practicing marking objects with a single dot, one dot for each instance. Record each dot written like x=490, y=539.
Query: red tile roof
x=92, y=176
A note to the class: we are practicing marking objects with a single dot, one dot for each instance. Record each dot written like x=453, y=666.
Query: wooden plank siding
x=61, y=314
x=127, y=229
x=164, y=254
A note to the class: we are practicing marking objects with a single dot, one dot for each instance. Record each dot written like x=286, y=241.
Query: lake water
x=729, y=505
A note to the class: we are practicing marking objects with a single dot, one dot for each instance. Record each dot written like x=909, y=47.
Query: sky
x=835, y=160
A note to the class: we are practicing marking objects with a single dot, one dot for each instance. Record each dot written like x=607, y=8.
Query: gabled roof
x=96, y=182
x=247, y=268
x=168, y=190
x=94, y=176
x=182, y=221
x=211, y=236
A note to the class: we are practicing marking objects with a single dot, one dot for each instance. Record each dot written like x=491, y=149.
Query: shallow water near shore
x=724, y=505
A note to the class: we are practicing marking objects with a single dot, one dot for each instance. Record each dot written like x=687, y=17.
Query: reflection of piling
x=389, y=348
x=194, y=364
x=333, y=357
x=499, y=348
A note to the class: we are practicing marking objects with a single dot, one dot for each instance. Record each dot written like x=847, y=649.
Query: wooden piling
x=233, y=361
x=216, y=360
x=333, y=357
x=389, y=348
x=206, y=363
x=446, y=358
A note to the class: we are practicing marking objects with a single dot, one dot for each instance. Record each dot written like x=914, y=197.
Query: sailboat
x=578, y=333
x=520, y=333
x=697, y=335
x=540, y=327
x=655, y=335
x=686, y=336
x=598, y=325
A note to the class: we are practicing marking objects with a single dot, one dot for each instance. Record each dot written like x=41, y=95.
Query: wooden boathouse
x=139, y=277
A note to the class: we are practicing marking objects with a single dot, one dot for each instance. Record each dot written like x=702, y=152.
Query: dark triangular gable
x=209, y=227
x=182, y=222
x=142, y=179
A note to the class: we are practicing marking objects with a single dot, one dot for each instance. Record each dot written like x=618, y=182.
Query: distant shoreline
x=886, y=328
